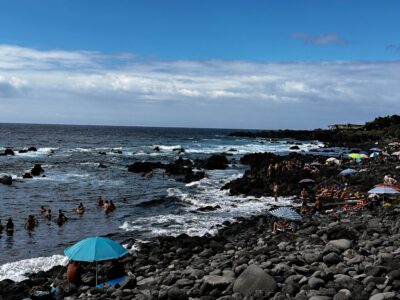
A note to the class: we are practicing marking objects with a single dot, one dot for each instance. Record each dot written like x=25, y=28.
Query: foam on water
x=17, y=271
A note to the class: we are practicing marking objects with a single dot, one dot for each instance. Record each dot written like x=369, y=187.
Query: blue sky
x=238, y=64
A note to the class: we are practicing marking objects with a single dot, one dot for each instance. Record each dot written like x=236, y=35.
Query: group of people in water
x=31, y=222
x=107, y=205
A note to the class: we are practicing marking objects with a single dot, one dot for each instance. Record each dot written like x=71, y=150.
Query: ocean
x=70, y=156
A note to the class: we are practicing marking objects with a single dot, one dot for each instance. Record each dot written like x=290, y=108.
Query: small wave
x=18, y=270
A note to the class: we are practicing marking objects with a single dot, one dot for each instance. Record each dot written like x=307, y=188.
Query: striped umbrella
x=286, y=213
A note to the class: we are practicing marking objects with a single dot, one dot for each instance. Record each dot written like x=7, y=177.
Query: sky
x=211, y=63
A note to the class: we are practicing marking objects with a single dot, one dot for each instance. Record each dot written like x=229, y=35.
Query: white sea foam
x=40, y=152
x=17, y=271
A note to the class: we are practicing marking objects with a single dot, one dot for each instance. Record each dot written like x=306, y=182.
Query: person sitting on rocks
x=47, y=214
x=305, y=209
x=74, y=273
x=318, y=205
x=10, y=227
x=81, y=209
x=62, y=218
x=280, y=226
x=31, y=222
x=116, y=271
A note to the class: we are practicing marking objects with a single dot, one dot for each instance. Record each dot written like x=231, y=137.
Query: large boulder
x=252, y=279
x=341, y=244
x=144, y=167
x=7, y=180
x=214, y=162
x=9, y=152
x=37, y=170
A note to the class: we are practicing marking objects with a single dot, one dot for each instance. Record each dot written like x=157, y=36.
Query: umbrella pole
x=96, y=273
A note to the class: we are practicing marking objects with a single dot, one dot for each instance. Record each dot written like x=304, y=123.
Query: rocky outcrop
x=7, y=180
x=37, y=170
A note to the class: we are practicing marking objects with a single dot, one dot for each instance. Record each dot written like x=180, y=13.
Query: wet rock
x=214, y=162
x=102, y=166
x=218, y=281
x=315, y=283
x=27, y=176
x=295, y=147
x=9, y=152
x=144, y=167
x=33, y=149
x=37, y=170
x=252, y=279
x=157, y=149
x=7, y=180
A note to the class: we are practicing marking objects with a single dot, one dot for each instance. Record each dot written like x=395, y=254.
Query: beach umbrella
x=95, y=249
x=364, y=155
x=307, y=181
x=316, y=164
x=383, y=190
x=388, y=185
x=396, y=153
x=385, y=154
x=348, y=172
x=286, y=213
x=333, y=160
x=394, y=144
x=374, y=154
x=355, y=155
x=375, y=149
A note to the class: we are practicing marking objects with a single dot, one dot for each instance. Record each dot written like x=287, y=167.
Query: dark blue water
x=160, y=205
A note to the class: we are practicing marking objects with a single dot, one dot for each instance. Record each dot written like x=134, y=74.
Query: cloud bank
x=82, y=87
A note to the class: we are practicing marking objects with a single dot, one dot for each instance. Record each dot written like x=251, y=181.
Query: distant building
x=346, y=127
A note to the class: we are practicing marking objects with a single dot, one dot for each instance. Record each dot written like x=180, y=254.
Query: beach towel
x=112, y=282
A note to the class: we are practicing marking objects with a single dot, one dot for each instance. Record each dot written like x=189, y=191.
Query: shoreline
x=351, y=255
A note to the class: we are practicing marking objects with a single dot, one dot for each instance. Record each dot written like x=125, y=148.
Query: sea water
x=70, y=156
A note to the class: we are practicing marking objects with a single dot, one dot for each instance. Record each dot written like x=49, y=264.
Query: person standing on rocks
x=275, y=190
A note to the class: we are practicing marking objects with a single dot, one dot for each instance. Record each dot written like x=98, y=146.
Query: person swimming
x=100, y=201
x=112, y=205
x=10, y=227
x=81, y=209
x=61, y=219
x=47, y=214
x=31, y=222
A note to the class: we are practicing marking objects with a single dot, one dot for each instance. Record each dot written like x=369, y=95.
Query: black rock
x=295, y=147
x=157, y=149
x=7, y=180
x=37, y=170
x=102, y=166
x=27, y=175
x=214, y=162
x=9, y=152
x=23, y=151
x=102, y=153
x=144, y=167
x=34, y=149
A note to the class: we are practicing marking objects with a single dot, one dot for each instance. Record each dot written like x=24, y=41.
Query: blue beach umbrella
x=383, y=190
x=286, y=213
x=348, y=172
x=374, y=154
x=95, y=249
x=375, y=149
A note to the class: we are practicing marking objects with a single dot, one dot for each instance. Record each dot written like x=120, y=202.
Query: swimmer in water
x=81, y=209
x=10, y=227
x=47, y=214
x=43, y=209
x=31, y=222
x=61, y=219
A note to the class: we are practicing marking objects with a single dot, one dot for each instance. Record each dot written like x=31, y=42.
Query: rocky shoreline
x=355, y=257
x=351, y=255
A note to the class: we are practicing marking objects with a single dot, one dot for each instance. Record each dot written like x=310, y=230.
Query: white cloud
x=115, y=84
